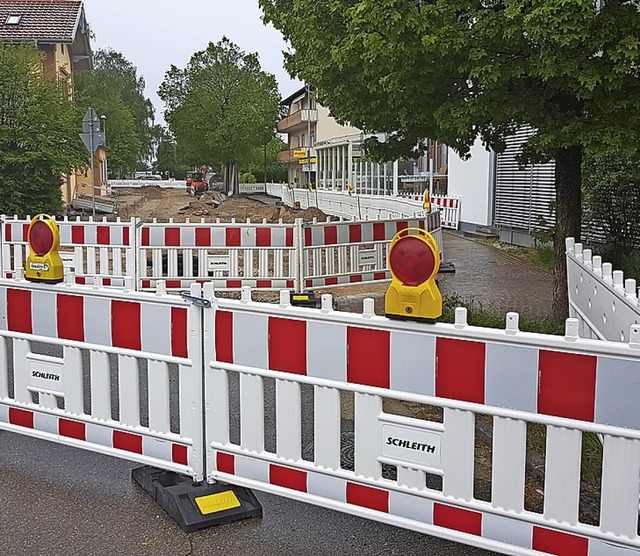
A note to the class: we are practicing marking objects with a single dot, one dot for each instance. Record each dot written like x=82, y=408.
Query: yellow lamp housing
x=43, y=263
x=414, y=262
x=426, y=204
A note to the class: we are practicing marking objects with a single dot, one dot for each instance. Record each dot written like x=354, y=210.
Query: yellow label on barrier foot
x=219, y=502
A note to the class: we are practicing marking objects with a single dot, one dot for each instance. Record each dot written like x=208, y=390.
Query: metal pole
x=93, y=185
x=106, y=157
x=309, y=137
x=265, y=166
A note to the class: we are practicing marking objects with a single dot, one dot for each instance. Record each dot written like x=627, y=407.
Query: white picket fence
x=599, y=297
x=414, y=403
x=368, y=207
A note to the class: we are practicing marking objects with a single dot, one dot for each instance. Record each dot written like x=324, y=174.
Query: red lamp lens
x=40, y=238
x=412, y=261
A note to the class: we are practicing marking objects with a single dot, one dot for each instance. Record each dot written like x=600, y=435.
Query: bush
x=247, y=177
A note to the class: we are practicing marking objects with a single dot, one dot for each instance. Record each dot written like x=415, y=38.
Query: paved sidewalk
x=495, y=279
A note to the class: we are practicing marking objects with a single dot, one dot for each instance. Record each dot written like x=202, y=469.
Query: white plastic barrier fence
x=430, y=412
x=230, y=255
x=413, y=400
x=118, y=373
x=170, y=184
x=92, y=250
x=251, y=188
x=340, y=253
x=368, y=207
x=599, y=297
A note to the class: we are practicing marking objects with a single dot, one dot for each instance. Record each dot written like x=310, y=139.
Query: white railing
x=599, y=297
x=367, y=207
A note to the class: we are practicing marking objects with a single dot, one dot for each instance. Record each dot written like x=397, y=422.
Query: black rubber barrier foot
x=447, y=268
x=197, y=505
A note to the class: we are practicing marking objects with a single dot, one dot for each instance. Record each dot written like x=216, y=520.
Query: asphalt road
x=61, y=501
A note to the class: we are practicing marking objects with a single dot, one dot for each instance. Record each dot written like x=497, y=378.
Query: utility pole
x=309, y=137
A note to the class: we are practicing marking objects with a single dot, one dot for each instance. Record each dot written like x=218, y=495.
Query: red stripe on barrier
x=460, y=370
x=234, y=284
x=7, y=232
x=263, y=237
x=567, y=385
x=288, y=345
x=308, y=237
x=367, y=497
x=289, y=283
x=379, y=231
x=561, y=544
x=465, y=521
x=21, y=417
x=103, y=235
x=146, y=284
x=179, y=332
x=172, y=237
x=25, y=232
x=401, y=226
x=233, y=237
x=125, y=235
x=173, y=284
x=106, y=281
x=72, y=429
x=203, y=237
x=289, y=237
x=224, y=336
x=288, y=478
x=125, y=325
x=331, y=281
x=70, y=317
x=355, y=278
x=179, y=454
x=330, y=235
x=355, y=233
x=145, y=237
x=226, y=463
x=127, y=441
x=19, y=311
x=308, y=284
x=263, y=283
x=368, y=357
x=77, y=235
x=379, y=275
x=81, y=280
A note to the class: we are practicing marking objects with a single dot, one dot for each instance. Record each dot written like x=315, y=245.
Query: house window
x=13, y=20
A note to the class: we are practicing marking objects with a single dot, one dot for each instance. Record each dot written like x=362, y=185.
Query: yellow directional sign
x=300, y=154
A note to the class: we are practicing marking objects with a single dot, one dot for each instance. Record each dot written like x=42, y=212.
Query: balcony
x=297, y=118
x=295, y=155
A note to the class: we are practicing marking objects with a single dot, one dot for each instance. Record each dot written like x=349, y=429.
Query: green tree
x=275, y=171
x=453, y=70
x=39, y=129
x=221, y=106
x=114, y=89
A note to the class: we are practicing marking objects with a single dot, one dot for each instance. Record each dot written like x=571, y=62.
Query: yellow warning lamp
x=43, y=262
x=414, y=262
x=426, y=203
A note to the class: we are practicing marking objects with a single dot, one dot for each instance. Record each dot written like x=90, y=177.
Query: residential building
x=330, y=155
x=60, y=30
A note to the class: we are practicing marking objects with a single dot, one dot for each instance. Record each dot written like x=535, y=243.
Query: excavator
x=197, y=182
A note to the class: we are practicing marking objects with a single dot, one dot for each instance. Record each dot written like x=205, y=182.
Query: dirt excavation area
x=152, y=202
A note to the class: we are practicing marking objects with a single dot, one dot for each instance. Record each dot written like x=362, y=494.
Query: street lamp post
x=104, y=143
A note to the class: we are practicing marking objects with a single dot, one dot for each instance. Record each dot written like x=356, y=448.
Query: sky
x=154, y=34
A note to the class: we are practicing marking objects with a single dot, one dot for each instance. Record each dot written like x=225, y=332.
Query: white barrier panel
x=229, y=255
x=102, y=370
x=600, y=298
x=341, y=253
x=94, y=251
x=170, y=184
x=368, y=207
x=251, y=188
x=414, y=400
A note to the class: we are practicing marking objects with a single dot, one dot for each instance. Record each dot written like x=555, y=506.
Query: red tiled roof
x=46, y=21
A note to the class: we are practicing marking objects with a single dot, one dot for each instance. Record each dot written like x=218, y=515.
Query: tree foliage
x=453, y=70
x=275, y=171
x=39, y=129
x=114, y=89
x=221, y=107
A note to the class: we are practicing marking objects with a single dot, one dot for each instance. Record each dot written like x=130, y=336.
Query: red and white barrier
x=118, y=332
x=568, y=386
x=92, y=250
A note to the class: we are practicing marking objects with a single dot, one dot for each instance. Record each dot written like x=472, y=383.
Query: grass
x=540, y=257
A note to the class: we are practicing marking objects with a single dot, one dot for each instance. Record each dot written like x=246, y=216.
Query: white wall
x=472, y=181
x=328, y=128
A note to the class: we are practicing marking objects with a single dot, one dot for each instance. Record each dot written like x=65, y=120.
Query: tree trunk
x=568, y=177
